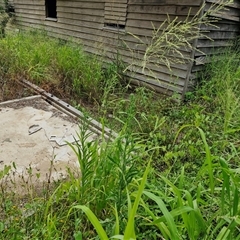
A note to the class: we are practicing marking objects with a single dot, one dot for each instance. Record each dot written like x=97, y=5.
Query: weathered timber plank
x=30, y=11
x=222, y=26
x=75, y=17
x=81, y=4
x=153, y=17
x=25, y=6
x=115, y=4
x=30, y=19
x=226, y=16
x=156, y=9
x=118, y=10
x=220, y=35
x=235, y=4
x=209, y=43
x=115, y=14
x=208, y=51
x=166, y=2
x=30, y=2
x=80, y=11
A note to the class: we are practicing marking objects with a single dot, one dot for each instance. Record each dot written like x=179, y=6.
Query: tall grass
x=190, y=191
x=226, y=84
x=55, y=65
x=202, y=202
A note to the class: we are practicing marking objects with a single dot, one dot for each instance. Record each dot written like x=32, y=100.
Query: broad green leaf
x=129, y=231
x=95, y=222
x=181, y=179
x=235, y=202
x=116, y=227
x=213, y=228
x=2, y=227
x=189, y=198
x=129, y=203
x=223, y=234
x=166, y=213
x=208, y=160
x=161, y=226
x=78, y=236
x=176, y=212
x=117, y=237
x=5, y=171
x=226, y=184
x=185, y=217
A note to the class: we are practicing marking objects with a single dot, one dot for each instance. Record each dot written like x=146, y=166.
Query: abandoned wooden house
x=122, y=30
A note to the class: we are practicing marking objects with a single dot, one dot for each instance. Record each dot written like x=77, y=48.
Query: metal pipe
x=70, y=110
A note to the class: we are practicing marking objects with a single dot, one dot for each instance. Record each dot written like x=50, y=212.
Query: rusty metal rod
x=68, y=109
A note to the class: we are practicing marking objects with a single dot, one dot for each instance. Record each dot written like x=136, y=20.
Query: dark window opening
x=51, y=8
x=114, y=25
x=9, y=8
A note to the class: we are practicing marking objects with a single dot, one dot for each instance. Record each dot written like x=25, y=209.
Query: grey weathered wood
x=91, y=22
x=227, y=29
x=115, y=12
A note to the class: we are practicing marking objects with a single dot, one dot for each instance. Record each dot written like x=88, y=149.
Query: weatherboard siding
x=221, y=34
x=95, y=24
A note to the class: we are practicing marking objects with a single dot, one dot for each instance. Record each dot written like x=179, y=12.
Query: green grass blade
x=226, y=184
x=5, y=171
x=129, y=203
x=77, y=236
x=121, y=237
x=208, y=160
x=223, y=234
x=198, y=216
x=175, y=212
x=159, y=224
x=165, y=231
x=213, y=229
x=166, y=213
x=116, y=227
x=184, y=215
x=129, y=231
x=189, y=198
x=181, y=179
x=181, y=129
x=235, y=202
x=95, y=222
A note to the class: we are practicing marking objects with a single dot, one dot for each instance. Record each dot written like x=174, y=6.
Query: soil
x=13, y=90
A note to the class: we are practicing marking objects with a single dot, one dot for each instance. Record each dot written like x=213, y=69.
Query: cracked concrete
x=33, y=135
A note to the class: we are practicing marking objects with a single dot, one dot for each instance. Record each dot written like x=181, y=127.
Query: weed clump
x=61, y=68
x=172, y=173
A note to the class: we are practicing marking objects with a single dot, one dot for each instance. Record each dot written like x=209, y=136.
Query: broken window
x=115, y=13
x=51, y=8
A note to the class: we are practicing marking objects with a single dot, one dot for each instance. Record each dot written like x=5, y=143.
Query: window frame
x=51, y=10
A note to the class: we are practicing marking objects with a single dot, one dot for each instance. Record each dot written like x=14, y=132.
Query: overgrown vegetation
x=59, y=66
x=172, y=172
x=190, y=189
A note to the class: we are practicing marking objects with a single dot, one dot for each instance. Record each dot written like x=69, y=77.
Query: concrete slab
x=33, y=135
